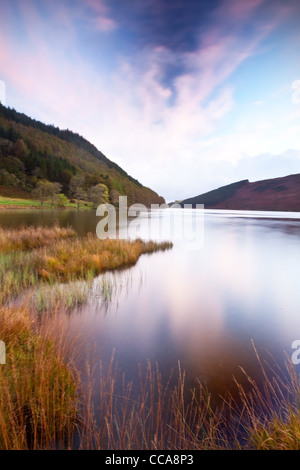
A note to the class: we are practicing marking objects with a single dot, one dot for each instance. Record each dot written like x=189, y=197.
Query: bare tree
x=45, y=191
x=76, y=188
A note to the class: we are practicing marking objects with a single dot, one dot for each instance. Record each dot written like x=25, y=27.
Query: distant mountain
x=31, y=150
x=277, y=194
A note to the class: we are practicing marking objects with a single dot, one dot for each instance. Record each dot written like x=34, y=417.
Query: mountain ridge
x=274, y=194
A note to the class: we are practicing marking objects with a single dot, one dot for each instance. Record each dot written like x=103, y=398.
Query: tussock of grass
x=85, y=258
x=28, y=238
x=64, y=260
x=279, y=432
x=37, y=390
x=46, y=298
x=272, y=415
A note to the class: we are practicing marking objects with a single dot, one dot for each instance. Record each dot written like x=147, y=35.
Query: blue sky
x=185, y=95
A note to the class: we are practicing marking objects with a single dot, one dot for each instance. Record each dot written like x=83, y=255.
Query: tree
x=19, y=149
x=45, y=190
x=37, y=172
x=40, y=192
x=76, y=188
x=53, y=191
x=8, y=179
x=98, y=194
x=12, y=165
x=66, y=176
x=62, y=200
x=114, y=196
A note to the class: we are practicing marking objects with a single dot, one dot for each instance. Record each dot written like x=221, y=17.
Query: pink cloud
x=102, y=20
x=98, y=6
x=104, y=24
x=239, y=10
x=130, y=113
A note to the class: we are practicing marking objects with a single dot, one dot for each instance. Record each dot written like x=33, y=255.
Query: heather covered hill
x=277, y=194
x=31, y=151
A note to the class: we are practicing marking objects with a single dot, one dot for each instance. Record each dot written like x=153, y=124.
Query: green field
x=18, y=202
x=7, y=201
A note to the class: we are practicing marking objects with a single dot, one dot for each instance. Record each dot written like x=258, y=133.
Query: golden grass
x=159, y=417
x=63, y=257
x=272, y=415
x=87, y=257
x=170, y=417
x=37, y=389
x=28, y=238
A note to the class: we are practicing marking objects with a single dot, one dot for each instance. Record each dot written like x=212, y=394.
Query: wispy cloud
x=160, y=112
x=101, y=18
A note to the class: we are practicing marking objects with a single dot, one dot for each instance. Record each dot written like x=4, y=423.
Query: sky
x=185, y=95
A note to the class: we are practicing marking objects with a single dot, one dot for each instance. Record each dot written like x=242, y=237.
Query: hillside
x=31, y=151
x=277, y=194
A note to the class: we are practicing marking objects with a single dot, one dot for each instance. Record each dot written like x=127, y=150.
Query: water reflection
x=201, y=307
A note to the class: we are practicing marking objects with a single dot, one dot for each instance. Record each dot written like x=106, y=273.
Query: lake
x=201, y=305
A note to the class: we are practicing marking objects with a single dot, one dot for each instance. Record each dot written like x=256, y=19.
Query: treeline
x=32, y=153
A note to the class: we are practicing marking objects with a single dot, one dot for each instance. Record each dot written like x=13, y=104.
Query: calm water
x=202, y=306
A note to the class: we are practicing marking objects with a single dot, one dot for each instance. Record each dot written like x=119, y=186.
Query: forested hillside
x=33, y=153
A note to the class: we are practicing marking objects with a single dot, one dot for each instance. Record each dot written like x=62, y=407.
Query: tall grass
x=37, y=389
x=28, y=238
x=170, y=416
x=46, y=298
x=85, y=258
x=62, y=257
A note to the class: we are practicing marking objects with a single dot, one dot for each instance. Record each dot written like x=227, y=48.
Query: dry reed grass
x=64, y=260
x=37, y=389
x=170, y=417
x=87, y=257
x=29, y=238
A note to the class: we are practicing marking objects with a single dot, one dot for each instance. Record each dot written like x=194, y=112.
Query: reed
x=163, y=417
x=37, y=389
x=65, y=261
x=46, y=298
x=87, y=257
x=29, y=238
